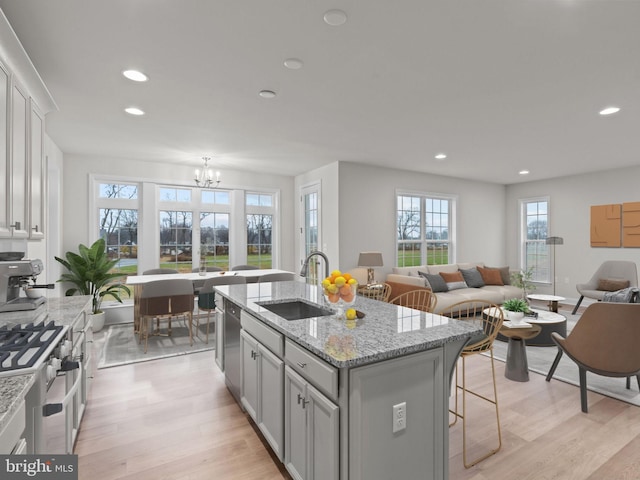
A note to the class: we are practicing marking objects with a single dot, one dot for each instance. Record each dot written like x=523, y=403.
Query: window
x=259, y=215
x=423, y=230
x=176, y=230
x=214, y=239
x=535, y=252
x=118, y=224
x=175, y=194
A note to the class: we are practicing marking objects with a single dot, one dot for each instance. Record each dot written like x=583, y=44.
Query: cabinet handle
x=301, y=365
x=300, y=397
x=15, y=225
x=254, y=355
x=35, y=228
x=304, y=402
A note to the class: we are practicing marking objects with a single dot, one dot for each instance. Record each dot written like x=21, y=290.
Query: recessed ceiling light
x=609, y=110
x=523, y=172
x=134, y=111
x=135, y=75
x=267, y=93
x=335, y=18
x=440, y=156
x=293, y=63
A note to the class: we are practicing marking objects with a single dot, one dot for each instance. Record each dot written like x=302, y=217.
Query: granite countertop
x=62, y=310
x=12, y=392
x=386, y=331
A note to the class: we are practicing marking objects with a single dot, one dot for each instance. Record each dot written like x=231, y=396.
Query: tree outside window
x=423, y=226
x=119, y=226
x=259, y=240
x=535, y=251
x=214, y=239
x=176, y=231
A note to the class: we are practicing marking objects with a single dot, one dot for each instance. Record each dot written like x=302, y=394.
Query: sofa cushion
x=612, y=284
x=472, y=277
x=436, y=269
x=505, y=273
x=435, y=282
x=491, y=276
x=454, y=280
x=398, y=288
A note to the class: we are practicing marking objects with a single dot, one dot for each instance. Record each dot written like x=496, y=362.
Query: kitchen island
x=364, y=399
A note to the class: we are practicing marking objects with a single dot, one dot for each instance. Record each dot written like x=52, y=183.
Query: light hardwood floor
x=174, y=419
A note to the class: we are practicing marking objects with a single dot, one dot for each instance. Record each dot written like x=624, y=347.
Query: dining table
x=198, y=278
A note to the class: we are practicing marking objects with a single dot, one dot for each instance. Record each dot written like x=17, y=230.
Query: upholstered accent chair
x=605, y=280
x=605, y=342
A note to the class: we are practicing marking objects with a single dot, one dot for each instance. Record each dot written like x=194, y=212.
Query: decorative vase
x=97, y=320
x=345, y=295
x=515, y=317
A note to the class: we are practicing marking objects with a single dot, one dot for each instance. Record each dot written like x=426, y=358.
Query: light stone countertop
x=62, y=310
x=386, y=331
x=12, y=393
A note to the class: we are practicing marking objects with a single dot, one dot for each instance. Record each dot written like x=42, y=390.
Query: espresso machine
x=15, y=276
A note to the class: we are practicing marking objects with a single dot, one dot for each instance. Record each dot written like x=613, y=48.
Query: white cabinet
x=37, y=173
x=18, y=213
x=311, y=431
x=261, y=389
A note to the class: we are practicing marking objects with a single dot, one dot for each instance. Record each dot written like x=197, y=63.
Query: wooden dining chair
x=165, y=300
x=380, y=292
x=491, y=317
x=422, y=299
x=207, y=298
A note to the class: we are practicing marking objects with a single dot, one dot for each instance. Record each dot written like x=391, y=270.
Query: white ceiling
x=498, y=85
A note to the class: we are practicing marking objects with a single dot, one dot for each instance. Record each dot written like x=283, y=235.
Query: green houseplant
x=523, y=280
x=515, y=309
x=89, y=273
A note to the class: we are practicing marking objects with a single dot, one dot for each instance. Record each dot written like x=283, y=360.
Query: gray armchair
x=609, y=270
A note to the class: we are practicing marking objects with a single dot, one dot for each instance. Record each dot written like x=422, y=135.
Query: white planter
x=97, y=320
x=514, y=317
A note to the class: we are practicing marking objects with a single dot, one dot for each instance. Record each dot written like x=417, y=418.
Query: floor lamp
x=554, y=241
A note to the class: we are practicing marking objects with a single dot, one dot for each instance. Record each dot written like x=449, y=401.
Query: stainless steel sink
x=296, y=309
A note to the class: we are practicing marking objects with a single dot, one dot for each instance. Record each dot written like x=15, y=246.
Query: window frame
x=423, y=242
x=538, y=277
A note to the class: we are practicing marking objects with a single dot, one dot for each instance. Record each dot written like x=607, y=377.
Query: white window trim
x=522, y=203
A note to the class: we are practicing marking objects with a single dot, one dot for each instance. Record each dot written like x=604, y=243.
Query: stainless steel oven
x=54, y=403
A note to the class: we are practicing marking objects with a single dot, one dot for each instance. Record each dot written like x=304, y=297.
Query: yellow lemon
x=352, y=281
x=340, y=281
x=332, y=288
x=336, y=273
x=350, y=313
x=326, y=282
x=350, y=324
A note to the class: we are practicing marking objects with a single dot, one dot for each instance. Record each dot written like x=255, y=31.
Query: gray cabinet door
x=295, y=425
x=270, y=399
x=19, y=170
x=219, y=321
x=323, y=458
x=249, y=374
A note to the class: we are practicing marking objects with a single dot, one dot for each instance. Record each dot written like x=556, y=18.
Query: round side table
x=552, y=299
x=516, y=367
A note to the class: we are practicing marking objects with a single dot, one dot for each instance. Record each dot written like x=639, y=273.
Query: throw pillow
x=472, y=277
x=435, y=282
x=491, y=276
x=454, y=281
x=611, y=284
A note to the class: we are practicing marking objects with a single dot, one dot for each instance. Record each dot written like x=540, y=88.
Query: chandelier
x=204, y=177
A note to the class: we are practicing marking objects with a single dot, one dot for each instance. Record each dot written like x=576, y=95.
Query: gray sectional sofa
x=480, y=290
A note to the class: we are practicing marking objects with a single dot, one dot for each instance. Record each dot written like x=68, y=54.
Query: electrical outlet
x=399, y=417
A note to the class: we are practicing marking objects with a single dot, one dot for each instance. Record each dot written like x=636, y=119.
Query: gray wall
x=570, y=202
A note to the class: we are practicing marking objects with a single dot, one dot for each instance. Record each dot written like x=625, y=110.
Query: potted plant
x=89, y=273
x=523, y=280
x=515, y=309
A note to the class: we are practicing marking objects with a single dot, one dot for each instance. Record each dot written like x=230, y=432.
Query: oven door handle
x=53, y=408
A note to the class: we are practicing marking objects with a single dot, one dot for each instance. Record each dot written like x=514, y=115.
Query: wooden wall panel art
x=606, y=223
x=631, y=224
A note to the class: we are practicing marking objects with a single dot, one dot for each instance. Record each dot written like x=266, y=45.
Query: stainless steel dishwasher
x=232, y=348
